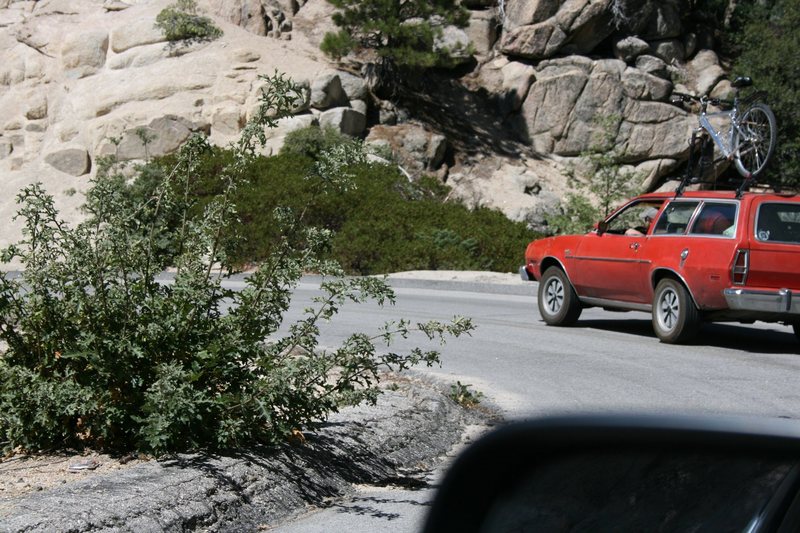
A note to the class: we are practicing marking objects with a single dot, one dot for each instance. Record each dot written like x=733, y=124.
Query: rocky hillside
x=84, y=78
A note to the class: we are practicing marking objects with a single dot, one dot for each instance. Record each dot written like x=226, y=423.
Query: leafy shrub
x=313, y=140
x=102, y=354
x=382, y=222
x=180, y=22
x=389, y=225
x=464, y=395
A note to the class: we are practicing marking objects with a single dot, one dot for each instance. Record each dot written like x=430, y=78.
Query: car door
x=608, y=263
x=708, y=251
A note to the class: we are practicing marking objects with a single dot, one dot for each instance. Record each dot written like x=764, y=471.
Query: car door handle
x=634, y=246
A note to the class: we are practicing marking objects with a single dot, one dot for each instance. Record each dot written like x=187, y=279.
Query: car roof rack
x=748, y=184
x=765, y=188
x=745, y=186
x=692, y=181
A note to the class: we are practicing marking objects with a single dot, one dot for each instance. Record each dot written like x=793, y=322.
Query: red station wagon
x=685, y=258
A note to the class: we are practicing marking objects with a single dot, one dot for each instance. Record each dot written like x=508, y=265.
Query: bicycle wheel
x=754, y=140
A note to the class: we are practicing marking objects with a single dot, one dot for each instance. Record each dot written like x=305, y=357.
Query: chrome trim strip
x=683, y=280
x=563, y=267
x=610, y=260
x=693, y=235
x=602, y=302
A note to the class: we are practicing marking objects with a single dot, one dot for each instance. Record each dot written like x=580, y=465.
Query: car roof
x=718, y=195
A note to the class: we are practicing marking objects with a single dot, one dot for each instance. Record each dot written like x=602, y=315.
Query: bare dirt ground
x=23, y=474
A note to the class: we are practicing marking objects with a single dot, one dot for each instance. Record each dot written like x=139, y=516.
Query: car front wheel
x=675, y=317
x=558, y=303
x=796, y=328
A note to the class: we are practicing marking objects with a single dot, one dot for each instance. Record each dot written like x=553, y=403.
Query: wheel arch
x=550, y=261
x=662, y=273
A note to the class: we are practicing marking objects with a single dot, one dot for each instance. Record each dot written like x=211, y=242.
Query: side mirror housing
x=601, y=227
x=625, y=473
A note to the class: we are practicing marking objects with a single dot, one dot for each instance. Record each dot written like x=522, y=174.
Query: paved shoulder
x=412, y=425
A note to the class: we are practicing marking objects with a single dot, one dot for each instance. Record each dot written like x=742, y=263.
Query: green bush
x=180, y=22
x=390, y=225
x=101, y=354
x=382, y=222
x=313, y=140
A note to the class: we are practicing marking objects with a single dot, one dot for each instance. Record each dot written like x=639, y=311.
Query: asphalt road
x=609, y=362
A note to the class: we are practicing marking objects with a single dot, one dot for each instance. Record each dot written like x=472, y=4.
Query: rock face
x=417, y=149
x=570, y=94
x=76, y=75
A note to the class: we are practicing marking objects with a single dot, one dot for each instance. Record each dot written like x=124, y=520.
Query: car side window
x=778, y=222
x=715, y=218
x=675, y=218
x=634, y=219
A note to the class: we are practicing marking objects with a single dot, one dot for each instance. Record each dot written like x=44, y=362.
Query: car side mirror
x=625, y=474
x=601, y=227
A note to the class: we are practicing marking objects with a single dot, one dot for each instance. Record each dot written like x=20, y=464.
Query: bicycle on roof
x=747, y=138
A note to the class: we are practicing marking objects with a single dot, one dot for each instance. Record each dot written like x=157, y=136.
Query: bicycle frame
x=725, y=144
x=722, y=140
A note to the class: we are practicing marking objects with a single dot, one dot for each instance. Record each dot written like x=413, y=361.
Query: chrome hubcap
x=668, y=309
x=554, y=295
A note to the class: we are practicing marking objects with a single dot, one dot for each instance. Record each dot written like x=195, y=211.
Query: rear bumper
x=782, y=301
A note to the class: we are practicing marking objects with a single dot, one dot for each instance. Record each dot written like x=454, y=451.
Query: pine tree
x=768, y=41
x=393, y=35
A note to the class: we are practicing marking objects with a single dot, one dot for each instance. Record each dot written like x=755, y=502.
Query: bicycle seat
x=742, y=81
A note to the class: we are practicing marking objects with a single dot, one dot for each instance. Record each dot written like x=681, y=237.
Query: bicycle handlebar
x=716, y=102
x=683, y=97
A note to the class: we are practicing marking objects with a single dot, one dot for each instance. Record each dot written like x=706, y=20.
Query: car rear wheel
x=558, y=303
x=675, y=317
x=796, y=328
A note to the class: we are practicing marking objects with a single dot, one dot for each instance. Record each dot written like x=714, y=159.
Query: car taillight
x=741, y=264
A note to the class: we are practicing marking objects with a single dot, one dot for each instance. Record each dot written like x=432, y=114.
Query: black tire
x=754, y=141
x=675, y=317
x=796, y=328
x=558, y=303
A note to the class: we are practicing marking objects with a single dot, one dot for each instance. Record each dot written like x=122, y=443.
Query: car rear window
x=778, y=222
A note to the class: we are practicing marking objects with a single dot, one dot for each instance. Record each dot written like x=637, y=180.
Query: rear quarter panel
x=773, y=265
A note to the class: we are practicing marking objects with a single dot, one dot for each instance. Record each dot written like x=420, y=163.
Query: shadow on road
x=371, y=506
x=729, y=336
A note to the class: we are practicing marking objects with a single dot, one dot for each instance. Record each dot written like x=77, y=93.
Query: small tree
x=100, y=353
x=180, y=22
x=601, y=183
x=399, y=34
